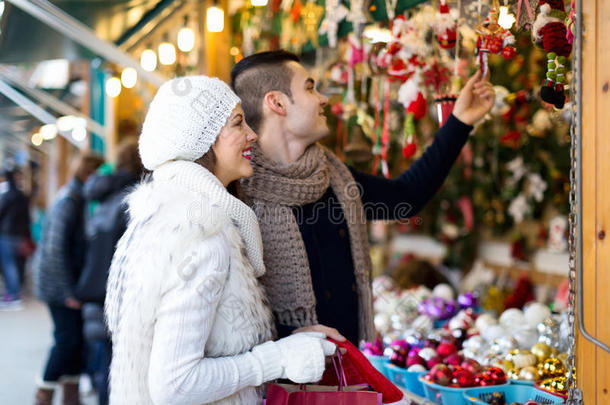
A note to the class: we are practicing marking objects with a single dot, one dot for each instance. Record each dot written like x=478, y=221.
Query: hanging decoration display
x=550, y=33
x=385, y=75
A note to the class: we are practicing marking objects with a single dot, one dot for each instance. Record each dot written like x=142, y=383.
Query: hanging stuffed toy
x=550, y=33
x=445, y=26
x=411, y=97
x=494, y=39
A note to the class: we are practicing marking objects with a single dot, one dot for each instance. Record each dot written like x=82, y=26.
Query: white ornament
x=427, y=353
x=443, y=291
x=526, y=337
x=536, y=187
x=536, y=313
x=484, y=321
x=335, y=13
x=500, y=104
x=512, y=318
x=493, y=332
x=518, y=208
x=517, y=169
x=417, y=368
x=557, y=234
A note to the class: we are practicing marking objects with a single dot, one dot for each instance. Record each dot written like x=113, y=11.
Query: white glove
x=301, y=356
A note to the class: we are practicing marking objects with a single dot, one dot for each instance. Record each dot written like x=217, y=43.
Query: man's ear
x=276, y=102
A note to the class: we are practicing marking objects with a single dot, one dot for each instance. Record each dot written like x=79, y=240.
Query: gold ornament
x=541, y=351
x=511, y=355
x=522, y=360
x=528, y=373
x=564, y=358
x=311, y=14
x=555, y=384
x=551, y=367
x=513, y=374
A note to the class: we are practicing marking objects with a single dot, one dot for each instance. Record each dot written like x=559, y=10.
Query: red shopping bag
x=341, y=394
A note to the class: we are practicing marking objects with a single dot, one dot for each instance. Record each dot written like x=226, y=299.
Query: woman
x=188, y=319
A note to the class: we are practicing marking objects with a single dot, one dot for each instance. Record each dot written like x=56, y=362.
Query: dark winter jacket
x=59, y=258
x=103, y=230
x=14, y=213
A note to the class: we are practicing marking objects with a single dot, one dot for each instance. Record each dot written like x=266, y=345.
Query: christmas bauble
x=541, y=351
x=555, y=384
x=446, y=349
x=526, y=337
x=434, y=361
x=453, y=359
x=497, y=375
x=509, y=52
x=467, y=300
x=440, y=374
x=513, y=374
x=551, y=367
x=483, y=380
x=535, y=313
x=443, y=291
x=528, y=373
x=464, y=378
x=427, y=353
x=474, y=343
x=485, y=320
x=471, y=365
x=549, y=332
x=504, y=344
x=416, y=368
x=415, y=360
x=511, y=318
x=523, y=360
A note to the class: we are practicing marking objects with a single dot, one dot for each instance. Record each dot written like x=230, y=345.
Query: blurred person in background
x=14, y=233
x=56, y=267
x=104, y=228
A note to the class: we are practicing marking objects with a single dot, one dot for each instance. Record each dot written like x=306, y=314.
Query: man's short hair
x=258, y=74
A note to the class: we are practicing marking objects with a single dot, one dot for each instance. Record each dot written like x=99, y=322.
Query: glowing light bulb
x=186, y=39
x=167, y=53
x=113, y=87
x=37, y=139
x=505, y=19
x=48, y=132
x=148, y=60
x=79, y=133
x=215, y=19
x=259, y=3
x=129, y=77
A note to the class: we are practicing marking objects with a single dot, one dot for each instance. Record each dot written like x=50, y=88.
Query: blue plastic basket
x=441, y=395
x=511, y=393
x=378, y=362
x=405, y=379
x=522, y=382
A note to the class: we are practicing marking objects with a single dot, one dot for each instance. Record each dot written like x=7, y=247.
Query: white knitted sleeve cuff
x=269, y=357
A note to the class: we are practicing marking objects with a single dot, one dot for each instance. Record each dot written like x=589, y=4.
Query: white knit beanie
x=184, y=119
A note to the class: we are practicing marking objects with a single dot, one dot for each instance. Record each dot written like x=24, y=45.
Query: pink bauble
x=446, y=349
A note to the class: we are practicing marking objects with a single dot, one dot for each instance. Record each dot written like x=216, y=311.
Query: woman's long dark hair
x=209, y=162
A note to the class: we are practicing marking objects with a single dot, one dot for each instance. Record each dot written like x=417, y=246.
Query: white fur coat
x=184, y=306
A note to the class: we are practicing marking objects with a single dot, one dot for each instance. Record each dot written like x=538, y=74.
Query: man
x=14, y=230
x=312, y=208
x=57, y=265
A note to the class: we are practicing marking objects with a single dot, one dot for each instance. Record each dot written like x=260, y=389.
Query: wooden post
x=592, y=371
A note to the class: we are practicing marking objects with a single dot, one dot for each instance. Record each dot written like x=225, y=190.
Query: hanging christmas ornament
x=410, y=96
x=357, y=16
x=335, y=13
x=493, y=39
x=550, y=33
x=445, y=26
x=311, y=15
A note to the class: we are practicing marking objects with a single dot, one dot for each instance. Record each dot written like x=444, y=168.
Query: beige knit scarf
x=272, y=192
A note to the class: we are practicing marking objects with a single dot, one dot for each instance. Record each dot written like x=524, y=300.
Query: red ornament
x=413, y=360
x=434, y=361
x=446, y=32
x=471, y=365
x=440, y=374
x=418, y=107
x=454, y=359
x=509, y=52
x=483, y=380
x=409, y=150
x=465, y=378
x=446, y=349
x=497, y=375
x=493, y=44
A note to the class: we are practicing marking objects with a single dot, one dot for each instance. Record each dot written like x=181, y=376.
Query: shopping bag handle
x=337, y=360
